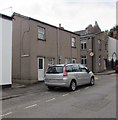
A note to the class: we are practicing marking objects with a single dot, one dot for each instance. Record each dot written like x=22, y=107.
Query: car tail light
x=65, y=72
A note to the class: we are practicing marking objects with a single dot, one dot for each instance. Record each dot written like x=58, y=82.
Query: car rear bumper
x=57, y=83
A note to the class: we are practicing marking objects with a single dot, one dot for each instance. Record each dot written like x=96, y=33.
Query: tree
x=113, y=32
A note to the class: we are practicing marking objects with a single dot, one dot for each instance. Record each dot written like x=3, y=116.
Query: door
x=85, y=76
x=40, y=68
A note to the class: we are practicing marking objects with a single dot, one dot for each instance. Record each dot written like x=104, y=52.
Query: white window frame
x=84, y=59
x=73, y=42
x=67, y=60
x=51, y=61
x=41, y=33
x=83, y=44
x=73, y=60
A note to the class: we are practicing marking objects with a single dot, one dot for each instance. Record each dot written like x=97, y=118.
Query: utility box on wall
x=5, y=50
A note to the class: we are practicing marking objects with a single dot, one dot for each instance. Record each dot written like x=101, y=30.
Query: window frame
x=51, y=61
x=74, y=60
x=84, y=59
x=43, y=33
x=83, y=44
x=99, y=44
x=73, y=42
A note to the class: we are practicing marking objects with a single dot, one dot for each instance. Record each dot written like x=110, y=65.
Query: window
x=73, y=42
x=83, y=60
x=69, y=68
x=99, y=45
x=75, y=68
x=99, y=60
x=51, y=61
x=67, y=60
x=73, y=60
x=83, y=45
x=41, y=33
x=83, y=69
x=55, y=70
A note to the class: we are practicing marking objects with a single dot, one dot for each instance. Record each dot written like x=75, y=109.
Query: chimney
x=61, y=26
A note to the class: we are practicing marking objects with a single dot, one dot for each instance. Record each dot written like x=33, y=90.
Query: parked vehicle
x=68, y=75
x=116, y=68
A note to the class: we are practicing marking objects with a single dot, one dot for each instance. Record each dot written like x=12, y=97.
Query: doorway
x=40, y=61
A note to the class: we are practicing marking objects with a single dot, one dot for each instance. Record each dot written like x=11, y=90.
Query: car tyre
x=73, y=85
x=92, y=81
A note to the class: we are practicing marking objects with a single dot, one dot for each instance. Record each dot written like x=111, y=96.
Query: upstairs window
x=73, y=42
x=41, y=33
x=83, y=45
x=99, y=45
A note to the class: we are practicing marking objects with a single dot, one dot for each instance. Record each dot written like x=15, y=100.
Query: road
x=98, y=101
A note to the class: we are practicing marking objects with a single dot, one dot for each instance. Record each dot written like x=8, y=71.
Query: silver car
x=68, y=75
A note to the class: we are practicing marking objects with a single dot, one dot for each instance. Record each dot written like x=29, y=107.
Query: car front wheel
x=92, y=81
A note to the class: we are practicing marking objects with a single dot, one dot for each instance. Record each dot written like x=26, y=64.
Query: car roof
x=81, y=65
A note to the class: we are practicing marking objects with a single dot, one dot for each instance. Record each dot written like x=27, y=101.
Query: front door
x=40, y=68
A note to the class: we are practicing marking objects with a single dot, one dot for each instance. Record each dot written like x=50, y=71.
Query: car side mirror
x=87, y=70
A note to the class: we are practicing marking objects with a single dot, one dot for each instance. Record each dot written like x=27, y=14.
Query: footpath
x=17, y=90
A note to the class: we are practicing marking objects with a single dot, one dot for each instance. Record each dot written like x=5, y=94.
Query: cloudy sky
x=73, y=15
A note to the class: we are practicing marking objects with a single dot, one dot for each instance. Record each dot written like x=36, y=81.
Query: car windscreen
x=55, y=69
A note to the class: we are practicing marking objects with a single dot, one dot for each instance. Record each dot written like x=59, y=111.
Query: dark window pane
x=40, y=63
x=55, y=69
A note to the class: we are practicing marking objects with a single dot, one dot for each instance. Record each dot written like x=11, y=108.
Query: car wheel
x=50, y=87
x=73, y=85
x=92, y=82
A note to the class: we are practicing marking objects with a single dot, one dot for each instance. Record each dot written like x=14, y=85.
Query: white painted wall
x=0, y=50
x=5, y=51
x=112, y=47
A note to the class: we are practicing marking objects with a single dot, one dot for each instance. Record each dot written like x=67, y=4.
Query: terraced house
x=37, y=44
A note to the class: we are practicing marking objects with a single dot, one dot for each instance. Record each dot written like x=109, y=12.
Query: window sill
x=41, y=39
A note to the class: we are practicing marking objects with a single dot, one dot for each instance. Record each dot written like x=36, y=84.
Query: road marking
x=96, y=78
x=31, y=106
x=86, y=88
x=6, y=114
x=65, y=94
x=50, y=100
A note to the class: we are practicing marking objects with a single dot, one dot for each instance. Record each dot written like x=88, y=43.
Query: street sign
x=91, y=54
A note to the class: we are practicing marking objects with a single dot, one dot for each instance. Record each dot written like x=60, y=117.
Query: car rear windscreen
x=55, y=70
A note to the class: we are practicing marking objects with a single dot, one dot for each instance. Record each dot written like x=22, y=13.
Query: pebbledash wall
x=37, y=44
x=5, y=50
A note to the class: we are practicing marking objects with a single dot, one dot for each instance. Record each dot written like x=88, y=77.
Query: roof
x=5, y=16
x=30, y=18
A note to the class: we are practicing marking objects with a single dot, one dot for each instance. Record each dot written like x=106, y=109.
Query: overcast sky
x=73, y=15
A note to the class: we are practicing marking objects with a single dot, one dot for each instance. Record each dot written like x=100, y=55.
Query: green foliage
x=112, y=30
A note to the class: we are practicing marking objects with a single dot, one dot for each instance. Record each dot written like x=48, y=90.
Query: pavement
x=17, y=90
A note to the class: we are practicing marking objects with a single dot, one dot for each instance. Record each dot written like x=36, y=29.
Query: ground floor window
x=73, y=60
x=67, y=60
x=83, y=59
x=51, y=60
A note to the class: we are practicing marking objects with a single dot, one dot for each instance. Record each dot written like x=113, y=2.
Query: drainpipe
x=58, y=45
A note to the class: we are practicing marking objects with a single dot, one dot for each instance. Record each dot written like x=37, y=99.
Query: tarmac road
x=98, y=101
